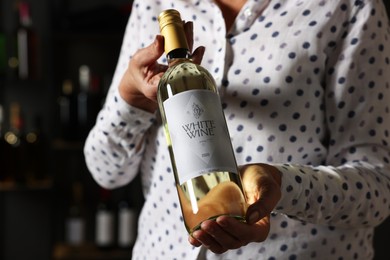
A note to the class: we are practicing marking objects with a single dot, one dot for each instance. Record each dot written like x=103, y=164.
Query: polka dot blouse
x=305, y=86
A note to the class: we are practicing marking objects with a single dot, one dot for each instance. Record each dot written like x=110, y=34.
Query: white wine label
x=198, y=133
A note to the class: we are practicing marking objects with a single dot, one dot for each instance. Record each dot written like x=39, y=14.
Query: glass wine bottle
x=15, y=145
x=75, y=221
x=104, y=221
x=27, y=42
x=203, y=161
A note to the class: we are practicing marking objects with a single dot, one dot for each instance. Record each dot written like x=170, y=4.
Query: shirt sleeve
x=352, y=188
x=114, y=147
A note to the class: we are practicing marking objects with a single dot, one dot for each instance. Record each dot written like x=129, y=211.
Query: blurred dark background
x=57, y=58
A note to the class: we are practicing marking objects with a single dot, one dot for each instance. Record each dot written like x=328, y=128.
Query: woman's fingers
x=139, y=84
x=227, y=233
x=189, y=31
x=197, y=54
x=262, y=187
x=145, y=65
x=148, y=55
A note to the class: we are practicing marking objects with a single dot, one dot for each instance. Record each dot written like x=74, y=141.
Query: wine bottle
x=35, y=156
x=104, y=225
x=67, y=103
x=82, y=100
x=3, y=150
x=203, y=161
x=75, y=222
x=15, y=145
x=27, y=42
x=3, y=55
x=88, y=101
x=127, y=219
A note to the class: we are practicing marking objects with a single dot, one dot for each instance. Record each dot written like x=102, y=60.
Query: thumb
x=150, y=54
x=262, y=187
x=257, y=211
x=197, y=55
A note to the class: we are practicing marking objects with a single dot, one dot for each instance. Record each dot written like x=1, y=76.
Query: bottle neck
x=24, y=15
x=175, y=41
x=177, y=55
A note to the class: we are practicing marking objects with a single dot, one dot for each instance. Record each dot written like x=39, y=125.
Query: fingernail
x=253, y=217
x=196, y=234
x=223, y=222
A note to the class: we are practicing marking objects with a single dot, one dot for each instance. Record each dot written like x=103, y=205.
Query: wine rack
x=70, y=38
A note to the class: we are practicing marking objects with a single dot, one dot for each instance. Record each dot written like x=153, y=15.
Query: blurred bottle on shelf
x=3, y=55
x=88, y=101
x=127, y=224
x=82, y=99
x=27, y=45
x=23, y=154
x=78, y=109
x=3, y=152
x=75, y=222
x=67, y=103
x=15, y=145
x=35, y=152
x=11, y=46
x=105, y=221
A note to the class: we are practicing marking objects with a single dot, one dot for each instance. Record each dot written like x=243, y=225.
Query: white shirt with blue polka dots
x=305, y=86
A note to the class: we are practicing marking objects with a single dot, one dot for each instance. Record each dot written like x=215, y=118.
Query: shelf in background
x=89, y=251
x=37, y=185
x=60, y=144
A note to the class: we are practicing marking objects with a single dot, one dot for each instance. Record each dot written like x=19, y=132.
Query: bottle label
x=104, y=228
x=126, y=227
x=198, y=134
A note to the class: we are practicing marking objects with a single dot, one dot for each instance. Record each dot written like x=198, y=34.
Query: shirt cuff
x=292, y=189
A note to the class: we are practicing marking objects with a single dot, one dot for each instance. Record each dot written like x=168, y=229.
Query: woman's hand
x=262, y=187
x=139, y=83
x=138, y=86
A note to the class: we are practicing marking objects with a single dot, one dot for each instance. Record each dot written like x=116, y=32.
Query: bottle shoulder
x=187, y=75
x=186, y=66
